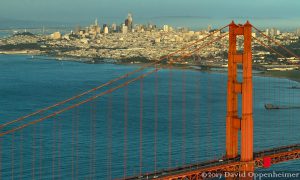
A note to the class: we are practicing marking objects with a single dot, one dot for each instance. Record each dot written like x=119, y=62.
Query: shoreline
x=293, y=75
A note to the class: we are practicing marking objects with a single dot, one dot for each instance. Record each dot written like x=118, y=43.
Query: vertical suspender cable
x=21, y=155
x=77, y=116
x=53, y=148
x=109, y=140
x=197, y=119
x=73, y=142
x=141, y=124
x=94, y=138
x=40, y=150
x=125, y=129
x=277, y=98
x=155, y=119
x=293, y=132
x=12, y=155
x=59, y=149
x=91, y=141
x=33, y=151
x=170, y=117
x=290, y=112
x=265, y=120
x=183, y=117
x=209, y=116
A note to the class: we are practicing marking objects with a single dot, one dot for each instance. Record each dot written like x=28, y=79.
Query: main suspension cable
x=268, y=47
x=277, y=43
x=93, y=97
x=111, y=81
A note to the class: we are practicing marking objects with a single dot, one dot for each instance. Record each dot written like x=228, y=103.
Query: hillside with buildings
x=139, y=43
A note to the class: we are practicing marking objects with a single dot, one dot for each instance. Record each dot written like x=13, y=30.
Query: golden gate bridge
x=238, y=157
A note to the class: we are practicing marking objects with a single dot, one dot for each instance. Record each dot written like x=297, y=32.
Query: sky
x=181, y=12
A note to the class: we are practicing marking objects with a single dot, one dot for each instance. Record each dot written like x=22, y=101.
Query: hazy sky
x=283, y=11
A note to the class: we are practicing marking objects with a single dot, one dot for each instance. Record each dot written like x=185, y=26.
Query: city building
x=151, y=27
x=278, y=32
x=267, y=32
x=77, y=29
x=56, y=35
x=114, y=27
x=105, y=30
x=209, y=28
x=94, y=29
x=298, y=32
x=129, y=22
x=272, y=32
x=139, y=28
x=124, y=29
x=166, y=28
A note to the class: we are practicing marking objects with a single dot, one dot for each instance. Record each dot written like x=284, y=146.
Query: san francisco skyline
x=190, y=13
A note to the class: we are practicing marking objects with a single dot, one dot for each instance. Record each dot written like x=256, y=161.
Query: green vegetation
x=293, y=75
x=294, y=47
x=29, y=46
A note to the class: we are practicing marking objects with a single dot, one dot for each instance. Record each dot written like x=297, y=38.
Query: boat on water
x=272, y=106
x=295, y=87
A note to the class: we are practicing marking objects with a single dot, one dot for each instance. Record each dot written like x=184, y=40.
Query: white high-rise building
x=298, y=32
x=267, y=32
x=105, y=30
x=124, y=29
x=114, y=27
x=96, y=22
x=278, y=32
x=209, y=28
x=273, y=32
x=166, y=28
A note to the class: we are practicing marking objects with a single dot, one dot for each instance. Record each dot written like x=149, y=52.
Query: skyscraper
x=124, y=29
x=209, y=28
x=96, y=22
x=94, y=28
x=129, y=22
x=114, y=27
x=105, y=25
x=166, y=28
x=77, y=29
x=298, y=31
x=267, y=32
x=105, y=30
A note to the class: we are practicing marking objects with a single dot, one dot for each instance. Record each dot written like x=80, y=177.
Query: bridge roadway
x=194, y=171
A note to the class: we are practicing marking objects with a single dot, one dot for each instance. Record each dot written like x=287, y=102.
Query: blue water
x=79, y=144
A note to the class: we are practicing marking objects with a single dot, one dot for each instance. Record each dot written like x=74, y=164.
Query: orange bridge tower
x=234, y=123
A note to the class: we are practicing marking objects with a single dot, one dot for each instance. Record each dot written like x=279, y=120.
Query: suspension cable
x=94, y=97
x=197, y=49
x=268, y=47
x=277, y=43
x=111, y=81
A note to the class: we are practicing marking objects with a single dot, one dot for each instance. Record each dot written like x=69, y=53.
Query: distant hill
x=7, y=23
